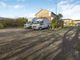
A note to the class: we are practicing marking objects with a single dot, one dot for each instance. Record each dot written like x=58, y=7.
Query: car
x=28, y=25
x=78, y=24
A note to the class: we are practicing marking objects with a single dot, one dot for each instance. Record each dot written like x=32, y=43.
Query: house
x=67, y=22
x=70, y=22
x=77, y=22
x=45, y=14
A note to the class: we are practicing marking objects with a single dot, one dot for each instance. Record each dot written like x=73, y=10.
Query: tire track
x=34, y=42
x=9, y=36
x=50, y=49
x=33, y=49
x=41, y=53
x=22, y=46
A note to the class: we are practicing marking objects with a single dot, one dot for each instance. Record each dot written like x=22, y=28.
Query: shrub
x=54, y=23
x=1, y=26
x=7, y=22
x=21, y=21
x=57, y=21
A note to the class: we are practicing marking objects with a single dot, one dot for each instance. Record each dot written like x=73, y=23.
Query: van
x=40, y=24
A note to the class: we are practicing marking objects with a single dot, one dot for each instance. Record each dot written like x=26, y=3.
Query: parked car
x=40, y=24
x=28, y=25
x=78, y=24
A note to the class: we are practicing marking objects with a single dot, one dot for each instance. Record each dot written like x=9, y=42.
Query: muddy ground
x=26, y=44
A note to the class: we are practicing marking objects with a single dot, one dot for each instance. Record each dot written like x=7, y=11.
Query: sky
x=28, y=8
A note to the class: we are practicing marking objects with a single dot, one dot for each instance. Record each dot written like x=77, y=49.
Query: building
x=67, y=22
x=45, y=14
x=70, y=22
x=76, y=22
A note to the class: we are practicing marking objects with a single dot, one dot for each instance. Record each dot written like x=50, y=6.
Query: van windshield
x=38, y=22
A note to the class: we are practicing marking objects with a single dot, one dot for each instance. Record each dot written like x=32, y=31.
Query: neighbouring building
x=70, y=22
x=45, y=14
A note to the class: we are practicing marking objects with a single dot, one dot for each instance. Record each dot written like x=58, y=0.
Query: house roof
x=67, y=19
x=71, y=19
x=46, y=11
x=53, y=13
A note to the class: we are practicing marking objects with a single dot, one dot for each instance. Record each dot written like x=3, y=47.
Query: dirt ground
x=26, y=44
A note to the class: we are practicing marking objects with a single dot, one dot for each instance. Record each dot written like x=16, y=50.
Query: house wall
x=67, y=22
x=71, y=22
x=76, y=21
x=45, y=14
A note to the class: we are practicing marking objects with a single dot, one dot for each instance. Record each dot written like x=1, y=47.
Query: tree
x=1, y=26
x=57, y=21
x=60, y=22
x=54, y=23
x=59, y=16
x=21, y=21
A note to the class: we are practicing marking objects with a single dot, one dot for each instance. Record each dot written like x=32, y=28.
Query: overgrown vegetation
x=1, y=26
x=21, y=21
x=6, y=23
x=57, y=21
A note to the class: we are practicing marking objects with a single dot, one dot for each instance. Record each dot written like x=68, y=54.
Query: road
x=21, y=44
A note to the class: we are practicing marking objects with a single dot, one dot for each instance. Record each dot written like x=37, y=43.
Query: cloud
x=3, y=4
x=69, y=9
x=17, y=6
x=30, y=15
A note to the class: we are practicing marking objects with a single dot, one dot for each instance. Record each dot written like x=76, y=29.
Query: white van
x=40, y=24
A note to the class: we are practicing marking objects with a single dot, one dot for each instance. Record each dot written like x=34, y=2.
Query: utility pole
x=56, y=6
